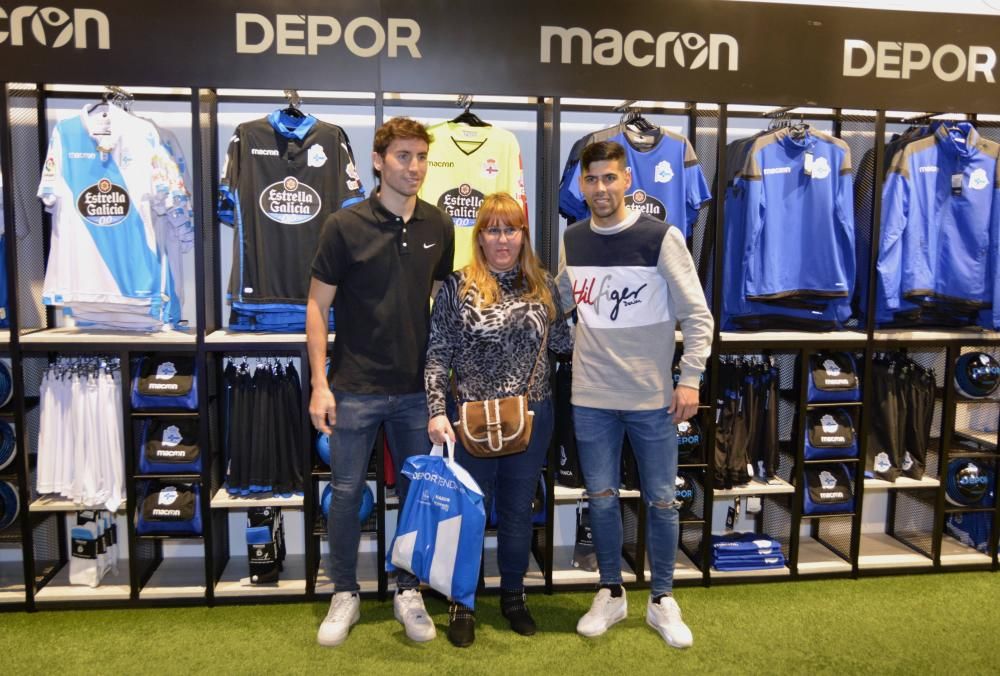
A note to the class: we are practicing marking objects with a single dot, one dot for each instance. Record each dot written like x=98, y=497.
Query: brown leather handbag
x=491, y=428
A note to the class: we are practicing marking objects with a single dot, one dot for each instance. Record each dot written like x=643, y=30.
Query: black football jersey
x=282, y=177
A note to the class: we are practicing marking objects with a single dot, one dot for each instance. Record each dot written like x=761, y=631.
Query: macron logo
x=262, y=151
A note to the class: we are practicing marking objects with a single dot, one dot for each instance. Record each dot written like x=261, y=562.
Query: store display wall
x=891, y=527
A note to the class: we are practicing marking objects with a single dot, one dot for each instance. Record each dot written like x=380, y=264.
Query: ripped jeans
x=599, y=437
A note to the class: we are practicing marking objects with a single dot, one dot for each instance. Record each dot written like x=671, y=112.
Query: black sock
x=616, y=590
x=656, y=599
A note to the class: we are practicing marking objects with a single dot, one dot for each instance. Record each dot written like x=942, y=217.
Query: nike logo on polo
x=428, y=246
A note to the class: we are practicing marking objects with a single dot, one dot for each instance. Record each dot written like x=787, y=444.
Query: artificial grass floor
x=923, y=624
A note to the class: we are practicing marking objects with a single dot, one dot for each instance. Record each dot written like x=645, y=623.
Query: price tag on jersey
x=808, y=167
x=956, y=184
x=753, y=505
x=730, y=518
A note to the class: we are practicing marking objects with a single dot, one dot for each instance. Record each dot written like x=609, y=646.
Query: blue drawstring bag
x=439, y=536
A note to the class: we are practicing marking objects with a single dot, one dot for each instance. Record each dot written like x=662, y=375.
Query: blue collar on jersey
x=796, y=143
x=948, y=136
x=289, y=126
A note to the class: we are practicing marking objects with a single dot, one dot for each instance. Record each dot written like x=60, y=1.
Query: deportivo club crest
x=316, y=157
x=663, y=172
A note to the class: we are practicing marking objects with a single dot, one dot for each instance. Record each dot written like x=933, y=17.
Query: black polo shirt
x=383, y=270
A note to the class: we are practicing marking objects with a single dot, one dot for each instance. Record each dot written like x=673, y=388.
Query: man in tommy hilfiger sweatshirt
x=631, y=279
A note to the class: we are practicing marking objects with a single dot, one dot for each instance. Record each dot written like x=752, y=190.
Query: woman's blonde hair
x=501, y=209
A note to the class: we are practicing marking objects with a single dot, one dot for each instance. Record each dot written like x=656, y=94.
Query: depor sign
x=901, y=60
x=299, y=34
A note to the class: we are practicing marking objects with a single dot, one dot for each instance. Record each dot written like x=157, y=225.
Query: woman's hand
x=439, y=430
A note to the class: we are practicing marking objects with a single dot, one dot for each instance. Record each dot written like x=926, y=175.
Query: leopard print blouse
x=493, y=349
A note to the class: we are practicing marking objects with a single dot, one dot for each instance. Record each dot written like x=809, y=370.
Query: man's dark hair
x=398, y=128
x=602, y=151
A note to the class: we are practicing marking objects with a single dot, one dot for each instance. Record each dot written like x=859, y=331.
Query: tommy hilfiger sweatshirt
x=631, y=284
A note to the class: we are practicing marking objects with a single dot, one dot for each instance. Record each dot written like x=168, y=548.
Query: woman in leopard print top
x=487, y=327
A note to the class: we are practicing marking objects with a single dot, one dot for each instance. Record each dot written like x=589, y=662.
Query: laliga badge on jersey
x=316, y=156
x=978, y=179
x=663, y=172
x=490, y=168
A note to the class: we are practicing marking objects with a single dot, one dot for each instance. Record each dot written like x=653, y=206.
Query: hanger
x=467, y=116
x=294, y=101
x=115, y=96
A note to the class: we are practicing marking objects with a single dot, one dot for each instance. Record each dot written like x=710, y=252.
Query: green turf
x=906, y=625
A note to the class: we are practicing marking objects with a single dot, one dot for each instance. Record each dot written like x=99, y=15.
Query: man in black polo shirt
x=378, y=263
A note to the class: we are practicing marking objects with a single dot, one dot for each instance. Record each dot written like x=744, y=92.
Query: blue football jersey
x=939, y=225
x=799, y=230
x=667, y=181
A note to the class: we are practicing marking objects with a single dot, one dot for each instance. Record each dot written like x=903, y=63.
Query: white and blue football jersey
x=107, y=181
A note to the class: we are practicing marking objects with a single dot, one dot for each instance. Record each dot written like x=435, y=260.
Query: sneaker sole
x=328, y=643
x=663, y=633
x=614, y=621
x=419, y=639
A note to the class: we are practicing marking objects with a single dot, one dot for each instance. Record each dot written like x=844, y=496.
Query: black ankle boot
x=461, y=625
x=514, y=606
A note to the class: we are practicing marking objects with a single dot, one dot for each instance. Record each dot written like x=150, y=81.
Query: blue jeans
x=599, y=436
x=511, y=480
x=358, y=419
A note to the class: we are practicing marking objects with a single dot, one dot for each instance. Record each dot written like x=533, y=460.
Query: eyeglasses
x=494, y=232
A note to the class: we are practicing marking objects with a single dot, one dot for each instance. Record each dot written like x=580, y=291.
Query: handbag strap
x=531, y=378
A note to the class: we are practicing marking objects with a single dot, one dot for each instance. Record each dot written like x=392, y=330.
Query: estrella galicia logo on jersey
x=166, y=371
x=462, y=204
x=978, y=179
x=663, y=172
x=640, y=200
x=316, y=156
x=54, y=27
x=171, y=436
x=820, y=168
x=104, y=203
x=290, y=201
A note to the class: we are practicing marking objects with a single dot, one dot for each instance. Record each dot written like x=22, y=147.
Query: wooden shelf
x=564, y=573
x=112, y=587
x=880, y=551
x=223, y=500
x=368, y=567
x=684, y=568
x=564, y=494
x=815, y=558
x=534, y=577
x=791, y=339
x=127, y=340
x=902, y=483
x=12, y=582
x=54, y=503
x=178, y=577
x=235, y=580
x=775, y=486
x=954, y=553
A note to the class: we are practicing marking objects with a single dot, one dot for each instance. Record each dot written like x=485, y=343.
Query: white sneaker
x=345, y=611
x=408, y=607
x=605, y=611
x=665, y=617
